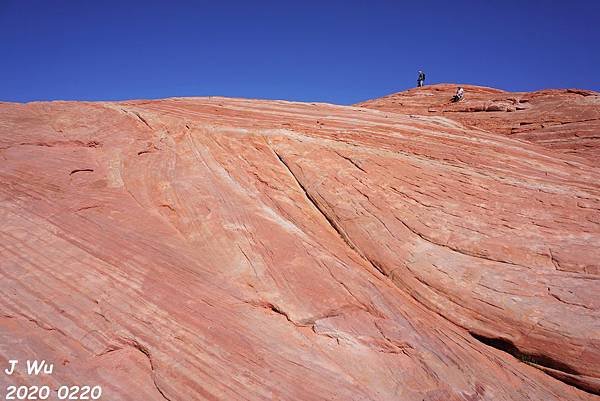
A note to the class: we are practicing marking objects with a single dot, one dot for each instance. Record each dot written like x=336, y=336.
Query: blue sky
x=333, y=51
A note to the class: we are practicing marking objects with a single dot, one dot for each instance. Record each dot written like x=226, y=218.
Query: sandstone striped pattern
x=231, y=249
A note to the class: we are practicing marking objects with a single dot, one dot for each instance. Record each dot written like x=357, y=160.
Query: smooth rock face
x=564, y=120
x=227, y=249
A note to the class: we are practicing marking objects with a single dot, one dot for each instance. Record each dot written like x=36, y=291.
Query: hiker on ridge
x=460, y=93
x=421, y=79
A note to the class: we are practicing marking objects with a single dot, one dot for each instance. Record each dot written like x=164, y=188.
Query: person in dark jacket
x=421, y=79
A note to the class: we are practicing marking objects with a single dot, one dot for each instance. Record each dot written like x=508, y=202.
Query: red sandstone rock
x=210, y=248
x=565, y=120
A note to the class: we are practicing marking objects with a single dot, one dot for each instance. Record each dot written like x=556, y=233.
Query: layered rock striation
x=566, y=120
x=229, y=249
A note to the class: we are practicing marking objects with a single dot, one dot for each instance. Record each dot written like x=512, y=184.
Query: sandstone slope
x=228, y=249
x=565, y=120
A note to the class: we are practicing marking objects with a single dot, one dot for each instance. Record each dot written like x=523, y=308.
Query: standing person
x=421, y=79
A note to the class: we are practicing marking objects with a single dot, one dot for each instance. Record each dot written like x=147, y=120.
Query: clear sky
x=333, y=51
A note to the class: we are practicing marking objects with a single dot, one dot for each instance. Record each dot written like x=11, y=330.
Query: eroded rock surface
x=211, y=248
x=566, y=120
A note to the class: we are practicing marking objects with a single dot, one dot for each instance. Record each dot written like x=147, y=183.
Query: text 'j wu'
x=34, y=367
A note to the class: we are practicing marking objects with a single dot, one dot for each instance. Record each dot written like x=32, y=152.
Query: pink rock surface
x=225, y=249
x=566, y=120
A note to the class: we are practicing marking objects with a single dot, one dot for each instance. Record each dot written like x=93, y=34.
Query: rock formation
x=229, y=249
x=565, y=120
